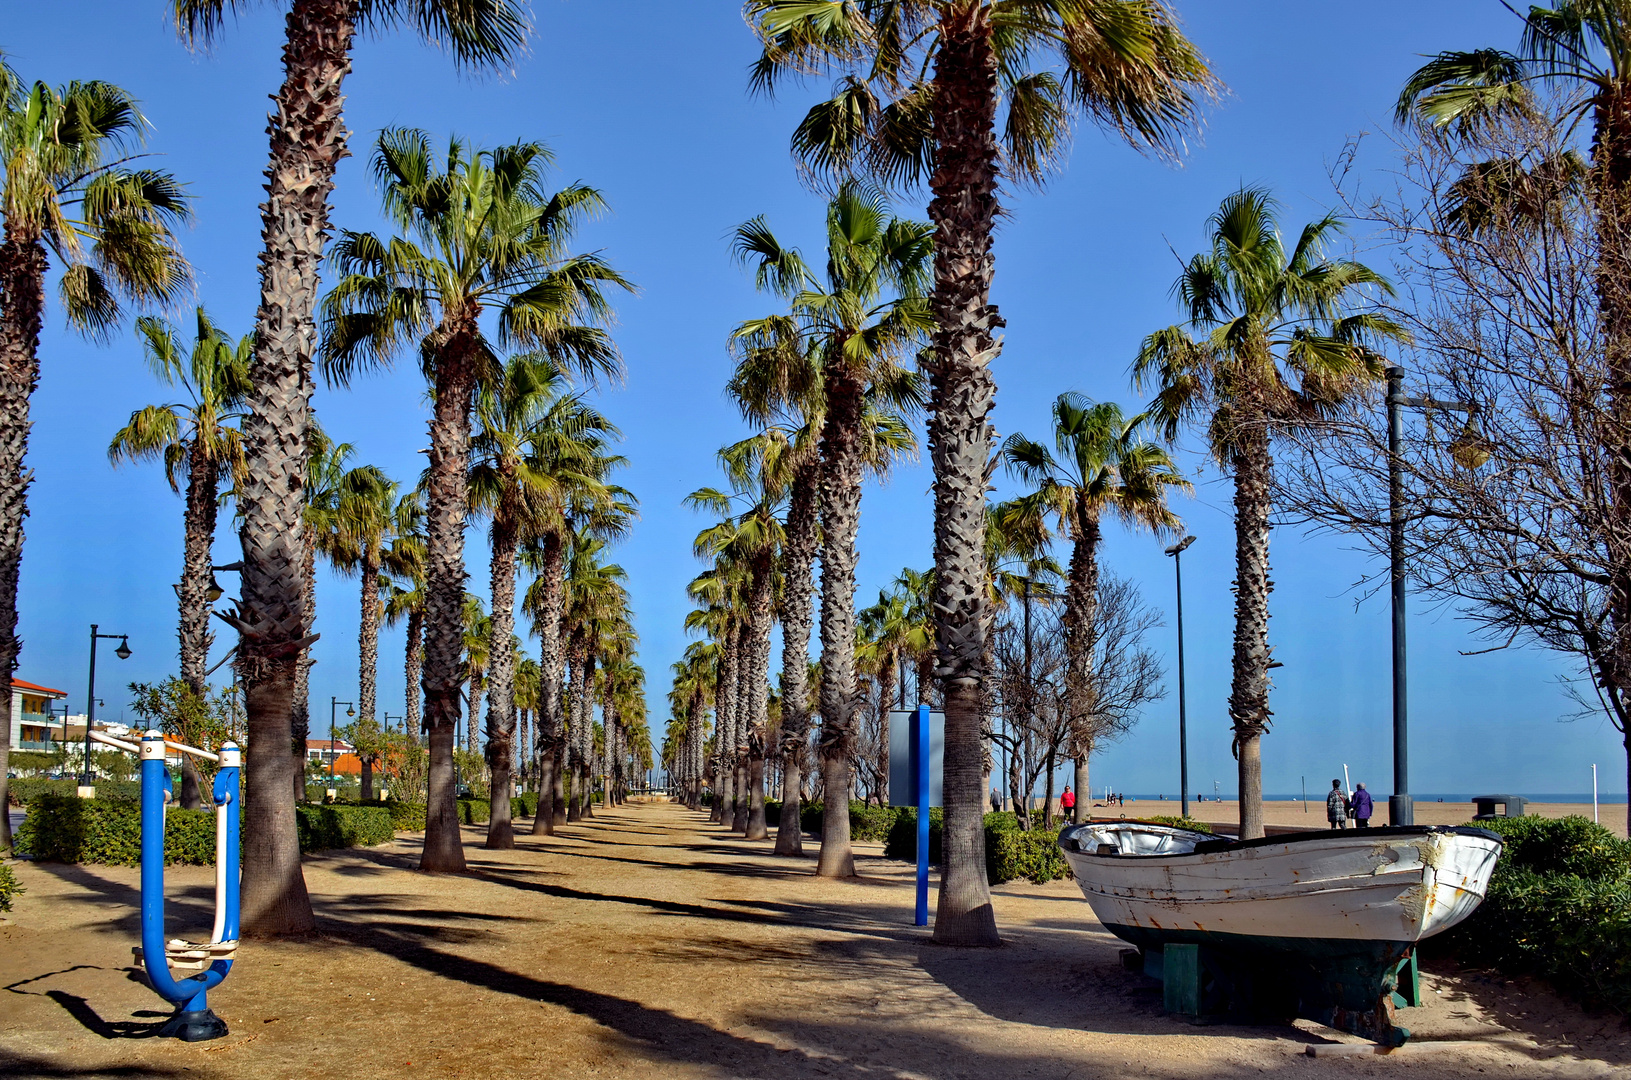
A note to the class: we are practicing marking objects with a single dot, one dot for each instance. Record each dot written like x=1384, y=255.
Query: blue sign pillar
x=920, y=774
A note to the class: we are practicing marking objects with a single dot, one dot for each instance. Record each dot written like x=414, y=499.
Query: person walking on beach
x=1336, y=806
x=1361, y=804
x=1067, y=802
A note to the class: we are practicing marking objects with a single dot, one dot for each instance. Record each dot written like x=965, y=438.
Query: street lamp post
x=351, y=710
x=1177, y=551
x=1468, y=451
x=123, y=653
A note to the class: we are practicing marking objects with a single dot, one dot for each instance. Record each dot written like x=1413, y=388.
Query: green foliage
x=1010, y=851
x=474, y=811
x=1181, y=823
x=342, y=826
x=65, y=828
x=9, y=888
x=1558, y=906
x=472, y=769
x=33, y=761
x=24, y=792
x=866, y=822
x=183, y=714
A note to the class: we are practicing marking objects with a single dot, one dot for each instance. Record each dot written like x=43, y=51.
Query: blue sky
x=647, y=100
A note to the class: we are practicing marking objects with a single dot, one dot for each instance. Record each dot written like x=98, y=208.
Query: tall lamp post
x=1468, y=450
x=123, y=653
x=350, y=710
x=1177, y=551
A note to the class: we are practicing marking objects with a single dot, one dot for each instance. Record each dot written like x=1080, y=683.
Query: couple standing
x=1339, y=807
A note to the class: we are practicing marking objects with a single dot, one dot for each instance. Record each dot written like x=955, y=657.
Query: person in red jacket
x=1067, y=802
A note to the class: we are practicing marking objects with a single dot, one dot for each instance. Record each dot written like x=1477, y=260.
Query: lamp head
x=123, y=651
x=350, y=711
x=1470, y=450
x=1180, y=545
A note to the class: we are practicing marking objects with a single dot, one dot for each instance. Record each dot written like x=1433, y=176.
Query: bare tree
x=1509, y=513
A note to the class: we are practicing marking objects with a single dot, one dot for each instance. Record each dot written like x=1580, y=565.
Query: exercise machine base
x=199, y=1026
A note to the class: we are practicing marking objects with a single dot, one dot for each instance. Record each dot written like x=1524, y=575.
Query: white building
x=34, y=726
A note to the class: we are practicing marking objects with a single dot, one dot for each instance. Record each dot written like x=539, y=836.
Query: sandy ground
x=648, y=943
x=1612, y=815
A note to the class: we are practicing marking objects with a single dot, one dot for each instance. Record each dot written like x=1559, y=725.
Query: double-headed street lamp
x=123, y=653
x=1468, y=450
x=351, y=710
x=1176, y=551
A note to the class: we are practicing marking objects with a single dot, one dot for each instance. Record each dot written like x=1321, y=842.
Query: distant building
x=33, y=724
x=346, y=762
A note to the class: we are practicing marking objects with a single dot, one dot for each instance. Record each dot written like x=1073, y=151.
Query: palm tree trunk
x=365, y=792
x=501, y=682
x=840, y=522
x=962, y=393
x=1081, y=613
x=740, y=726
x=553, y=575
x=300, y=710
x=1249, y=691
x=22, y=306
x=413, y=665
x=579, y=719
x=368, y=641
x=586, y=745
x=448, y=501
x=724, y=731
x=307, y=142
x=198, y=533
x=760, y=617
x=1083, y=801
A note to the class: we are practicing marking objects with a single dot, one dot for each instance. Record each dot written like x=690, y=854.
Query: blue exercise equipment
x=212, y=960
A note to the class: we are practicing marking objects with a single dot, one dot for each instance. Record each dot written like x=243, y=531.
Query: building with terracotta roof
x=34, y=723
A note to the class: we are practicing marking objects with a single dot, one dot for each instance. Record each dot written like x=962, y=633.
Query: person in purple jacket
x=1361, y=803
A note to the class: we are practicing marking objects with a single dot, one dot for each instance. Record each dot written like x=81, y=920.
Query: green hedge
x=1010, y=852
x=62, y=828
x=1558, y=906
x=22, y=792
x=323, y=828
x=866, y=822
x=1181, y=823
x=8, y=887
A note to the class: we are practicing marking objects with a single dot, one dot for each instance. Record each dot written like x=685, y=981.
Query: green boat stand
x=1206, y=984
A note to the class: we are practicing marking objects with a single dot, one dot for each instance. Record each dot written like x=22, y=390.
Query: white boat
x=1328, y=918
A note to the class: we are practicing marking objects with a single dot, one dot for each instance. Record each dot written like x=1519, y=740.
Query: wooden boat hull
x=1312, y=924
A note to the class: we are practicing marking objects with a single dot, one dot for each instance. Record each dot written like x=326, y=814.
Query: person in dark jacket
x=1336, y=806
x=1361, y=803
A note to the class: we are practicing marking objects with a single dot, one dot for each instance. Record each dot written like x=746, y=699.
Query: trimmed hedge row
x=1559, y=906
x=65, y=828
x=23, y=791
x=1011, y=852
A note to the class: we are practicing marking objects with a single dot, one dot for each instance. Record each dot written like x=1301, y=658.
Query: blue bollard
x=193, y=1021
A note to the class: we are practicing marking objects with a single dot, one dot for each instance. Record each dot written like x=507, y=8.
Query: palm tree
x=718, y=591
x=194, y=439
x=368, y=518
x=752, y=539
x=481, y=235
x=528, y=691
x=308, y=140
x=535, y=440
x=596, y=612
x=586, y=502
x=1105, y=466
x=923, y=84
x=65, y=192
x=1280, y=342
x=857, y=322
x=404, y=564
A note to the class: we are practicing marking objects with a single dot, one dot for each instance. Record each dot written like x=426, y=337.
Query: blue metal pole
x=920, y=752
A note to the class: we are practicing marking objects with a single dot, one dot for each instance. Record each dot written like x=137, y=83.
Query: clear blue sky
x=647, y=100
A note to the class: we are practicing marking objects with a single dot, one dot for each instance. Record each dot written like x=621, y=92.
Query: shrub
x=8, y=887
x=866, y=822
x=1558, y=906
x=1010, y=851
x=1181, y=823
x=65, y=828
x=474, y=811
x=23, y=792
x=324, y=828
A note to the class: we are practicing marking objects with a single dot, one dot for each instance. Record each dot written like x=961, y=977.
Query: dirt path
x=648, y=943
